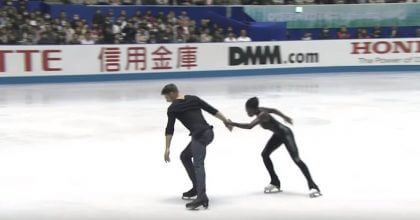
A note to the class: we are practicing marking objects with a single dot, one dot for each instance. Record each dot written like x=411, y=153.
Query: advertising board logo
x=27, y=58
x=254, y=55
x=385, y=47
x=267, y=55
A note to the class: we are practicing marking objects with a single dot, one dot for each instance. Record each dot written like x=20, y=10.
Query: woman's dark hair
x=169, y=88
x=252, y=103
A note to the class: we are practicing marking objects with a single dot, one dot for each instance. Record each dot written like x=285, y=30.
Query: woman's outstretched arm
x=245, y=125
x=262, y=116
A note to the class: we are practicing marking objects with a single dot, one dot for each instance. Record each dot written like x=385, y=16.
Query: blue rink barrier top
x=205, y=74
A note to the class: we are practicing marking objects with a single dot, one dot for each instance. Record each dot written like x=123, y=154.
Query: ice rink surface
x=95, y=151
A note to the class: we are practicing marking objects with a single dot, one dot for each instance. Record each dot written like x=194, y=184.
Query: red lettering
x=3, y=59
x=400, y=45
x=136, y=56
x=376, y=47
x=162, y=58
x=365, y=47
x=110, y=59
x=28, y=58
x=418, y=46
x=383, y=47
x=187, y=57
x=46, y=60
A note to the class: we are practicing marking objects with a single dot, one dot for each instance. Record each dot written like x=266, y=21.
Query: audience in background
x=325, y=34
x=19, y=26
x=377, y=33
x=228, y=2
x=343, y=33
x=205, y=36
x=142, y=37
x=243, y=36
x=307, y=36
x=88, y=39
x=394, y=32
x=362, y=33
x=230, y=37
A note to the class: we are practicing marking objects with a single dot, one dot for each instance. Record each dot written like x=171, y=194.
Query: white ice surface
x=95, y=151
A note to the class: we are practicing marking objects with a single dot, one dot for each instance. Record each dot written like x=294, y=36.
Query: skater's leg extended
x=186, y=158
x=271, y=146
x=294, y=153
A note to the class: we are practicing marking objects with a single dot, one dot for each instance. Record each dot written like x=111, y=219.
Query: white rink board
x=63, y=60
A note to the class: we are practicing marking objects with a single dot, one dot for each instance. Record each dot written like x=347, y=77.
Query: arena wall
x=83, y=63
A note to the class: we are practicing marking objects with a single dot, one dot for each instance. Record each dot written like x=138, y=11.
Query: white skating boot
x=272, y=189
x=314, y=193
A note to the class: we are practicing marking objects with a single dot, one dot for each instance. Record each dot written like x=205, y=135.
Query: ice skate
x=272, y=189
x=190, y=195
x=314, y=193
x=197, y=203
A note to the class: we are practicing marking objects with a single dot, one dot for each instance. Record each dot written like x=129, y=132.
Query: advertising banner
x=173, y=58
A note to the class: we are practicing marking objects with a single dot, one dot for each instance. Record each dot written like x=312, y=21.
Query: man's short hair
x=169, y=88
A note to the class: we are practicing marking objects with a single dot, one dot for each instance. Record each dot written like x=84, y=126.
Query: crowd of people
x=20, y=27
x=230, y=2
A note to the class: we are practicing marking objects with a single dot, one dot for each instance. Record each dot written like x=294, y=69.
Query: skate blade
x=189, y=198
x=197, y=208
x=315, y=195
x=273, y=191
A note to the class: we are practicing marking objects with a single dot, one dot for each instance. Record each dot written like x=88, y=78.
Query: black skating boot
x=197, y=203
x=190, y=194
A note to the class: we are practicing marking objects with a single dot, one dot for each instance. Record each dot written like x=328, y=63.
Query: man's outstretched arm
x=210, y=109
x=220, y=116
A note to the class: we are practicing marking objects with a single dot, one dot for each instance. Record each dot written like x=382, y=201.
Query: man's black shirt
x=188, y=111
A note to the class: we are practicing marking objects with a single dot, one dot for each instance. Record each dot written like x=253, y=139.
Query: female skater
x=282, y=134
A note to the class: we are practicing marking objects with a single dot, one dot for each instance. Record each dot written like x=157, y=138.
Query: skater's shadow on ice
x=232, y=199
x=285, y=194
x=174, y=200
x=215, y=200
x=260, y=195
x=226, y=199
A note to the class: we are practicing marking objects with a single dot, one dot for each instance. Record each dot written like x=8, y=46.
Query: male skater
x=187, y=109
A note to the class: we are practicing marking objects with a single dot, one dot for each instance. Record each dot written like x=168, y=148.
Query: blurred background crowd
x=231, y=2
x=23, y=27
